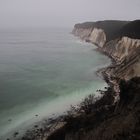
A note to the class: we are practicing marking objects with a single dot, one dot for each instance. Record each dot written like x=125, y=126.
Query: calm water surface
x=43, y=71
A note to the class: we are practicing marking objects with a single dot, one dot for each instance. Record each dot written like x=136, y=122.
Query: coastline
x=113, y=116
x=45, y=128
x=40, y=128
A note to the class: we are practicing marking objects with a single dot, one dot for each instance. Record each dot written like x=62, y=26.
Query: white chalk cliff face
x=93, y=35
x=98, y=37
x=82, y=33
x=119, y=49
x=125, y=51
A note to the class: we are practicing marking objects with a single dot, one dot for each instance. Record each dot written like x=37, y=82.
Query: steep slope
x=107, y=122
x=118, y=39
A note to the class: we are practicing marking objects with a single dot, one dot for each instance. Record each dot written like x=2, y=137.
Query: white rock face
x=127, y=46
x=95, y=36
x=98, y=37
x=82, y=33
x=126, y=52
x=120, y=49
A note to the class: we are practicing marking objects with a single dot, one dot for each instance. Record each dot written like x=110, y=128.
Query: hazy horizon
x=64, y=13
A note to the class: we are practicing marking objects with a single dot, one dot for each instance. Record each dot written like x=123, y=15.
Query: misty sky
x=36, y=13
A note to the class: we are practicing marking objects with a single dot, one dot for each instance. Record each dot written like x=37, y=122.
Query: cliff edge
x=120, y=40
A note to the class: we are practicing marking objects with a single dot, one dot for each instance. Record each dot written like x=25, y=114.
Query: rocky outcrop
x=119, y=49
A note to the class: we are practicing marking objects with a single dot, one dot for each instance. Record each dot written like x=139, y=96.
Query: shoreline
x=45, y=128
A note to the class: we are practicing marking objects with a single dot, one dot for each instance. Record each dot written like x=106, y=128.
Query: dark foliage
x=107, y=121
x=132, y=29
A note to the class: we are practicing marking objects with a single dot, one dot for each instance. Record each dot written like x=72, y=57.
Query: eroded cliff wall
x=94, y=35
x=82, y=33
x=119, y=49
x=123, y=50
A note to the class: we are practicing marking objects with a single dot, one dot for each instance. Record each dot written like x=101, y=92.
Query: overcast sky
x=35, y=13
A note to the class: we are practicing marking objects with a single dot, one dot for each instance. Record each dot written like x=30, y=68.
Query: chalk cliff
x=97, y=37
x=123, y=47
x=126, y=53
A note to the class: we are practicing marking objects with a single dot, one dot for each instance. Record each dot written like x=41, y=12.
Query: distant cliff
x=118, y=39
x=110, y=27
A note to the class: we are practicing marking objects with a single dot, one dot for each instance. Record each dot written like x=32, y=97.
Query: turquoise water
x=43, y=71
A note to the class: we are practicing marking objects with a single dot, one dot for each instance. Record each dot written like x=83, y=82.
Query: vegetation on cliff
x=110, y=27
x=107, y=121
x=131, y=29
x=115, y=28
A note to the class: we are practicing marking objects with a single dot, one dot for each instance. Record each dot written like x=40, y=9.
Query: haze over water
x=43, y=71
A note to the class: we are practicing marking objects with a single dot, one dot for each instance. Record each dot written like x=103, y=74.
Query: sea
x=43, y=71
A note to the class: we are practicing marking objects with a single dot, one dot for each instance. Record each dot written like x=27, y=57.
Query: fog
x=64, y=13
